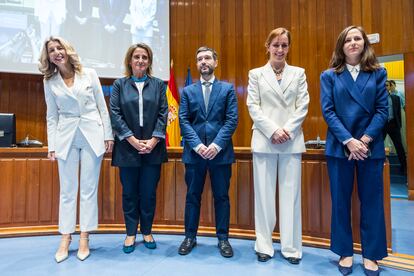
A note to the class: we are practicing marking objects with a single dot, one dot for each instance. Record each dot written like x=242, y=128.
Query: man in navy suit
x=394, y=123
x=208, y=118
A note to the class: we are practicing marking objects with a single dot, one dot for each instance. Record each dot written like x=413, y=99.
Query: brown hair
x=368, y=60
x=205, y=48
x=48, y=68
x=275, y=33
x=128, y=57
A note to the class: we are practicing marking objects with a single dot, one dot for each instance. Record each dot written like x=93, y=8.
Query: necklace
x=278, y=72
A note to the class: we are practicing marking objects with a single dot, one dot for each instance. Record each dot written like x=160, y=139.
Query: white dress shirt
x=140, y=86
x=354, y=70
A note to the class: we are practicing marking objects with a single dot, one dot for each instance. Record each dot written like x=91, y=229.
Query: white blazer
x=273, y=106
x=81, y=106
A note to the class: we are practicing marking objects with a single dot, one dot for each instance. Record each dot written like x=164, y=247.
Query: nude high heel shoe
x=63, y=251
x=83, y=255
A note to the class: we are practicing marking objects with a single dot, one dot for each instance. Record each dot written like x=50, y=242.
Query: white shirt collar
x=210, y=80
x=352, y=68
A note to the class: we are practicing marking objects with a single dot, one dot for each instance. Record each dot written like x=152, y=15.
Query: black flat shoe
x=261, y=257
x=186, y=246
x=225, y=248
x=292, y=260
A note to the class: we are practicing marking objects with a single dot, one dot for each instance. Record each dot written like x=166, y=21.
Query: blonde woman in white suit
x=78, y=131
x=278, y=102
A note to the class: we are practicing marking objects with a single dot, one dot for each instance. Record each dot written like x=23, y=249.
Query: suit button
x=206, y=121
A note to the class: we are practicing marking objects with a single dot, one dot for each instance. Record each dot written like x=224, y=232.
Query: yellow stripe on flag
x=173, y=126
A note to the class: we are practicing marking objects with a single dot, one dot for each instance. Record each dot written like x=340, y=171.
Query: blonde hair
x=48, y=68
x=128, y=57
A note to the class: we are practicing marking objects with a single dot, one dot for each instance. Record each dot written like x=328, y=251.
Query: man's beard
x=207, y=73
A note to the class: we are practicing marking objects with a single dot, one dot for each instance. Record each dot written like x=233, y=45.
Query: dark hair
x=205, y=48
x=368, y=60
x=392, y=82
x=128, y=57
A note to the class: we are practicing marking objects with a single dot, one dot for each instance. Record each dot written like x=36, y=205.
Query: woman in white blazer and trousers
x=278, y=102
x=78, y=131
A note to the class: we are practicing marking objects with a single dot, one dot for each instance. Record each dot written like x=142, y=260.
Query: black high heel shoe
x=345, y=270
x=370, y=272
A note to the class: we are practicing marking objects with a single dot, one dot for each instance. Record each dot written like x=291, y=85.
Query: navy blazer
x=354, y=108
x=214, y=125
x=125, y=121
x=396, y=109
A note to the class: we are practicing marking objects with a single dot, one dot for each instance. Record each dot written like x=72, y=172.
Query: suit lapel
x=361, y=81
x=198, y=94
x=132, y=83
x=146, y=83
x=215, y=92
x=67, y=90
x=78, y=84
x=287, y=78
x=270, y=78
x=355, y=88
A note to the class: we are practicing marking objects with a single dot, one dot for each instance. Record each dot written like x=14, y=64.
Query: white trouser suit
x=77, y=126
x=275, y=105
x=287, y=169
x=80, y=153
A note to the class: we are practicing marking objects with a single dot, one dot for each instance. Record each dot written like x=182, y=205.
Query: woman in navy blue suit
x=139, y=118
x=354, y=105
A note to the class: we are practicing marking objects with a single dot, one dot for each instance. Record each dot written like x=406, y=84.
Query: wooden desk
x=29, y=186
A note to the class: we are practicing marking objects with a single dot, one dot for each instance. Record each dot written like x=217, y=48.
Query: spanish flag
x=173, y=138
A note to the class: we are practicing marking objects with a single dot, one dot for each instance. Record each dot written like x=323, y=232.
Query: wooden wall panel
x=19, y=191
x=107, y=191
x=326, y=205
x=181, y=190
x=32, y=190
x=311, y=221
x=6, y=187
x=245, y=204
x=233, y=194
x=169, y=191
x=409, y=109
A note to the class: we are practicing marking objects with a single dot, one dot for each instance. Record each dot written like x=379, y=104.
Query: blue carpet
x=35, y=256
x=402, y=217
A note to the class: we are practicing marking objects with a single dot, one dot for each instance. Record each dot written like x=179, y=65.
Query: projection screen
x=100, y=30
